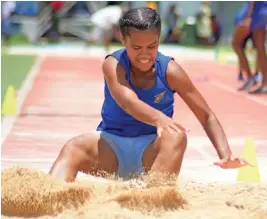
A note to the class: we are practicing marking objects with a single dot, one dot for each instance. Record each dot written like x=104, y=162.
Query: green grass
x=18, y=39
x=14, y=70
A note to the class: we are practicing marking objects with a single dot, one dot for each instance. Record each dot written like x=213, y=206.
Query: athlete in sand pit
x=137, y=133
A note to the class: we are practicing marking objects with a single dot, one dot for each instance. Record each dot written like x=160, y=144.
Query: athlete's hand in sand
x=231, y=163
x=165, y=123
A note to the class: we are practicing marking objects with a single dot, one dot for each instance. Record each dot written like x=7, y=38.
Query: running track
x=66, y=98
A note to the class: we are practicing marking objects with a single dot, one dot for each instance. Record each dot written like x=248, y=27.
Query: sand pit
x=27, y=192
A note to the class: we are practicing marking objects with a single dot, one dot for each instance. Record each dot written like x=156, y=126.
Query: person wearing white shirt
x=105, y=25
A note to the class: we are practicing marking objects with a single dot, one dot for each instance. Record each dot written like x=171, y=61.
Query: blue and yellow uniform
x=127, y=136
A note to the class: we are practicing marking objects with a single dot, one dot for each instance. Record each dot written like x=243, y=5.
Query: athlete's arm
x=127, y=99
x=179, y=81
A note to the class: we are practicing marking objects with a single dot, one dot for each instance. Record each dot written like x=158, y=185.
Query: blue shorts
x=259, y=16
x=129, y=152
x=242, y=13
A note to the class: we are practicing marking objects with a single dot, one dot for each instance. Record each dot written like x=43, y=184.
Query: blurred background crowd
x=183, y=22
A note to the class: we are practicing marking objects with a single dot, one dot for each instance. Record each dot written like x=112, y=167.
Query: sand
x=32, y=193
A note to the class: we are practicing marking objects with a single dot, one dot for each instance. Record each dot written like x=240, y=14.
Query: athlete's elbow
x=206, y=118
x=210, y=118
x=123, y=104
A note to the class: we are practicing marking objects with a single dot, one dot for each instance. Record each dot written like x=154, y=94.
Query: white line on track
x=8, y=121
x=233, y=91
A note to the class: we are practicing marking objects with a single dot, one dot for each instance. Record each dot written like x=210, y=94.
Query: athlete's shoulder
x=163, y=57
x=173, y=67
x=118, y=54
x=114, y=62
x=177, y=78
x=163, y=61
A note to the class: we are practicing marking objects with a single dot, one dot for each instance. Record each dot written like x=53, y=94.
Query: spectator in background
x=257, y=21
x=242, y=34
x=204, y=24
x=173, y=31
x=152, y=4
x=7, y=8
x=54, y=31
x=57, y=5
x=105, y=24
x=216, y=29
x=109, y=3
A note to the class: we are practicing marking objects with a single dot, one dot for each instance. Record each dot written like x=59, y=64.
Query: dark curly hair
x=140, y=18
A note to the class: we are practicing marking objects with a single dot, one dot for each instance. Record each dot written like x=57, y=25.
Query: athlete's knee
x=70, y=159
x=237, y=46
x=259, y=37
x=233, y=44
x=77, y=143
x=178, y=141
x=80, y=149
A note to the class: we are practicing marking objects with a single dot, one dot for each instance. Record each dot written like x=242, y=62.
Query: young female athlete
x=137, y=133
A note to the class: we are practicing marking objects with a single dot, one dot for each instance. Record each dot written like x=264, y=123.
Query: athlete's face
x=142, y=47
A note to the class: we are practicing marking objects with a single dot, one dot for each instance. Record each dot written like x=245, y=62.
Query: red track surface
x=66, y=100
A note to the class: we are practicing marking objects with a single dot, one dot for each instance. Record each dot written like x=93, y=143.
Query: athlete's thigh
x=87, y=153
x=150, y=154
x=164, y=146
x=259, y=36
x=99, y=155
x=240, y=34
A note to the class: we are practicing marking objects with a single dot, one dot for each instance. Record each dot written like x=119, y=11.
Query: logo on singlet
x=159, y=97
